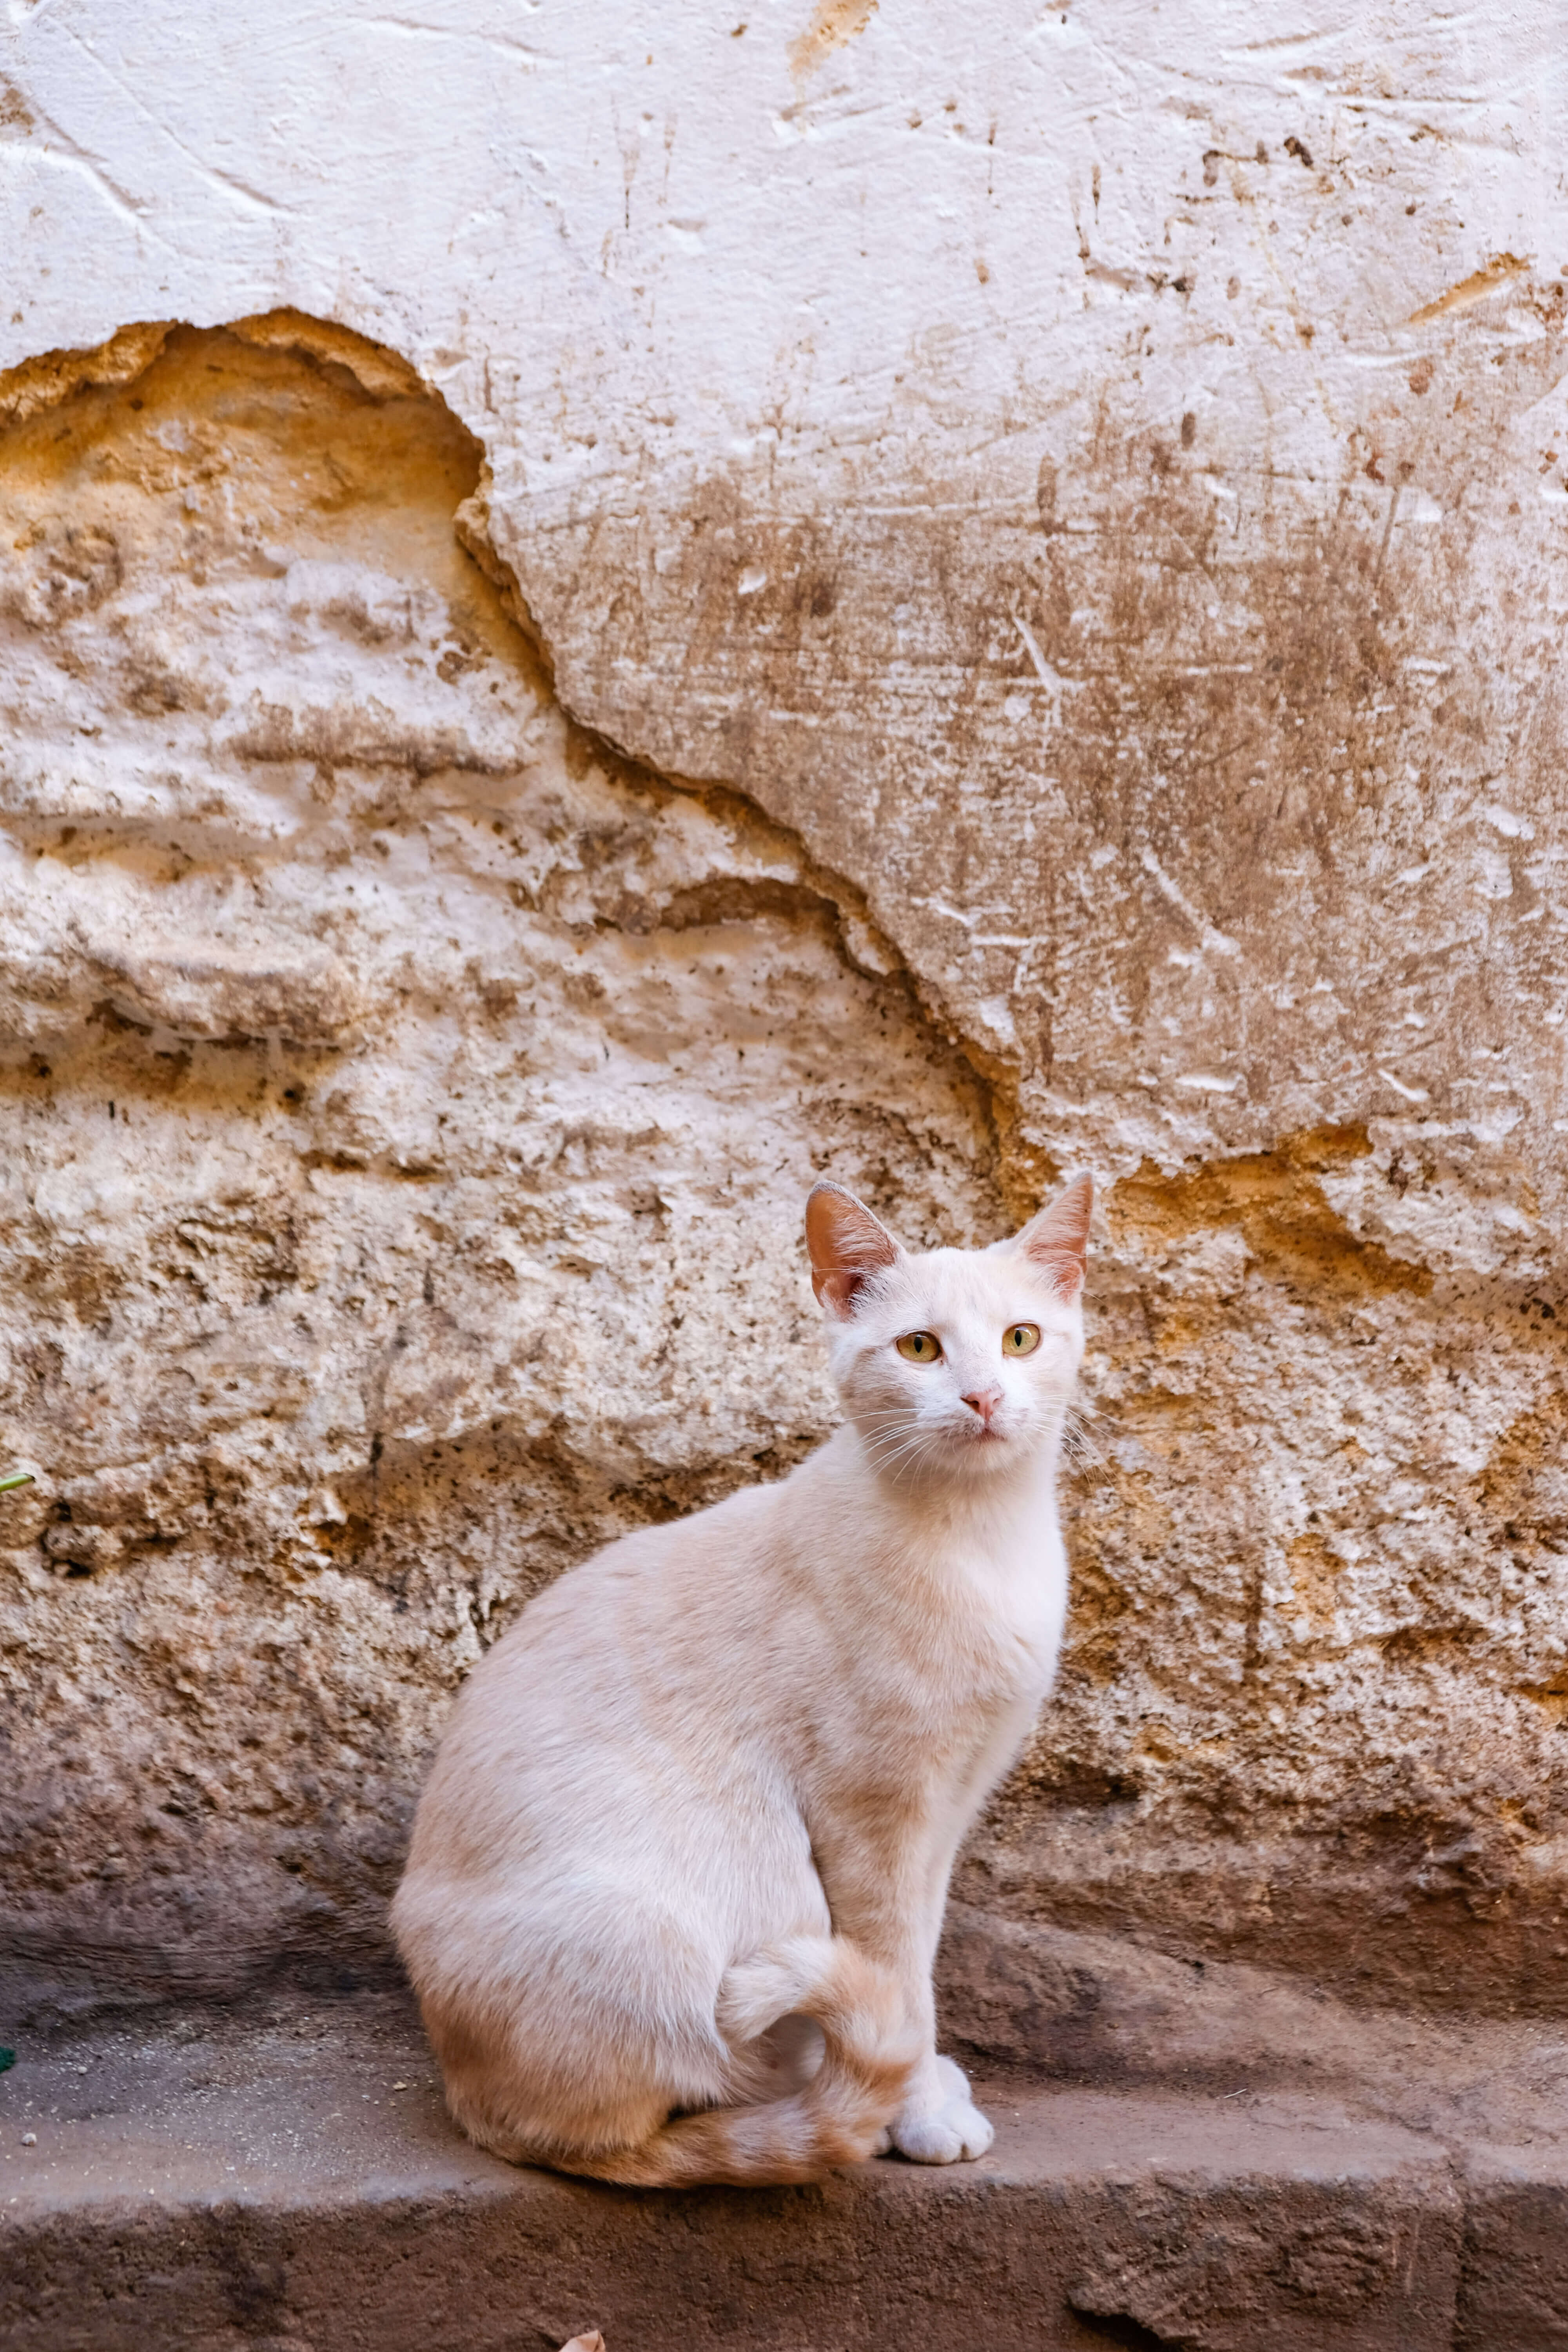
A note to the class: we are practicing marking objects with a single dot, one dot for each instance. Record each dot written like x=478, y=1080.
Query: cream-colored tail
x=840, y=2115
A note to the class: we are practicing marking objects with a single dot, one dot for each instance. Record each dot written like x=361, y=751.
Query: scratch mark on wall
x=60, y=148
x=227, y=182
x=1472, y=289
x=410, y=28
x=1054, y=684
x=970, y=922
x=1218, y=940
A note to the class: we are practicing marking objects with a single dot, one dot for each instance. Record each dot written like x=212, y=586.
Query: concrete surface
x=1216, y=2163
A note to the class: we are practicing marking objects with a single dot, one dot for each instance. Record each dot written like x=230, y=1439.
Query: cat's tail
x=839, y=2117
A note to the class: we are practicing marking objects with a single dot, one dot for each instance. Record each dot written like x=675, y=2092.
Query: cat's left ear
x=1056, y=1241
x=848, y=1247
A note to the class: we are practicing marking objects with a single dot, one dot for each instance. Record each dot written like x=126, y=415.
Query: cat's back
x=637, y=1651
x=656, y=1603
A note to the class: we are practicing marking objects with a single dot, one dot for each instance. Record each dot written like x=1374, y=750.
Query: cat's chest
x=1011, y=1603
x=934, y=1709
x=1007, y=1653
x=985, y=1642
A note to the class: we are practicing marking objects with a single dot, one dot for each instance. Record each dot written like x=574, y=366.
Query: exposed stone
x=410, y=1108
x=453, y=1057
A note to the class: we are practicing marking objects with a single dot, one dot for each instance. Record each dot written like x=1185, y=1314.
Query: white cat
x=678, y=1877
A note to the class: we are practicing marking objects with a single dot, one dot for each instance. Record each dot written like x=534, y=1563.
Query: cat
x=677, y=1876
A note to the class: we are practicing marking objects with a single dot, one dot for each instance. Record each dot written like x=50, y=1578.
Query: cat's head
x=951, y=1364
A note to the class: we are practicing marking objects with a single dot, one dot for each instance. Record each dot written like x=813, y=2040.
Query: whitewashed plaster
x=627, y=242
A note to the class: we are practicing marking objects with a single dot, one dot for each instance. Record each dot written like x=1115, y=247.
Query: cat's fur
x=678, y=1877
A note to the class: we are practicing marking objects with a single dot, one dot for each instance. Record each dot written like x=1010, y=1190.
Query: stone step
x=290, y=2183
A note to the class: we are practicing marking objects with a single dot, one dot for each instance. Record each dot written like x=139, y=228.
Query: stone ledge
x=290, y=2184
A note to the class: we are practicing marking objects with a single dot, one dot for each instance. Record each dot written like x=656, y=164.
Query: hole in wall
x=1121, y=2329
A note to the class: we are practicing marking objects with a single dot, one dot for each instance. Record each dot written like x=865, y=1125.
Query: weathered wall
x=408, y=1119
x=1081, y=522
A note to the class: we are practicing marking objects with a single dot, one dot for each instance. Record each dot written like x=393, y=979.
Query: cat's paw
x=950, y=2130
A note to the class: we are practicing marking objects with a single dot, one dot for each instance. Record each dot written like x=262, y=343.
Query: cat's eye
x=919, y=1347
x=1020, y=1339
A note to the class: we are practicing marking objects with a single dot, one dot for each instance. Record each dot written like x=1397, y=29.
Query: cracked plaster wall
x=1081, y=517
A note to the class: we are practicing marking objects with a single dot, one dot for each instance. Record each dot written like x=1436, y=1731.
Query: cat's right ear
x=848, y=1247
x=1056, y=1239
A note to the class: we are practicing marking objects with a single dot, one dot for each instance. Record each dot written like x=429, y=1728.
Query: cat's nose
x=984, y=1401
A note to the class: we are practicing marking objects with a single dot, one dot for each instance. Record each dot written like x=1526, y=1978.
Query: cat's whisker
x=924, y=1445
x=1081, y=1448
x=911, y=1448
x=890, y=1424
x=888, y=1452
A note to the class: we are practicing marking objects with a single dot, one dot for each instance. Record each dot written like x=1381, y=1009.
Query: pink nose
x=984, y=1401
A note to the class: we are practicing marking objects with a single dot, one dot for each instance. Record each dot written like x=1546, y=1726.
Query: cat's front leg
x=939, y=2122
x=865, y=1886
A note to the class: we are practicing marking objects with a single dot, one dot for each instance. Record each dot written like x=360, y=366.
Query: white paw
x=949, y=2130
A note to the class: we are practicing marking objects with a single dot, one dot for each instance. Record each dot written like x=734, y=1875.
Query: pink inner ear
x=1056, y=1239
x=1064, y=1273
x=848, y=1244
x=836, y=1290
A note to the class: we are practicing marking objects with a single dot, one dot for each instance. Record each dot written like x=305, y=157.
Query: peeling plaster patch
x=38, y=385
x=834, y=24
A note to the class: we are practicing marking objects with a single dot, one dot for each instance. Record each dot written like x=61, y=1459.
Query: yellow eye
x=1020, y=1339
x=919, y=1347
